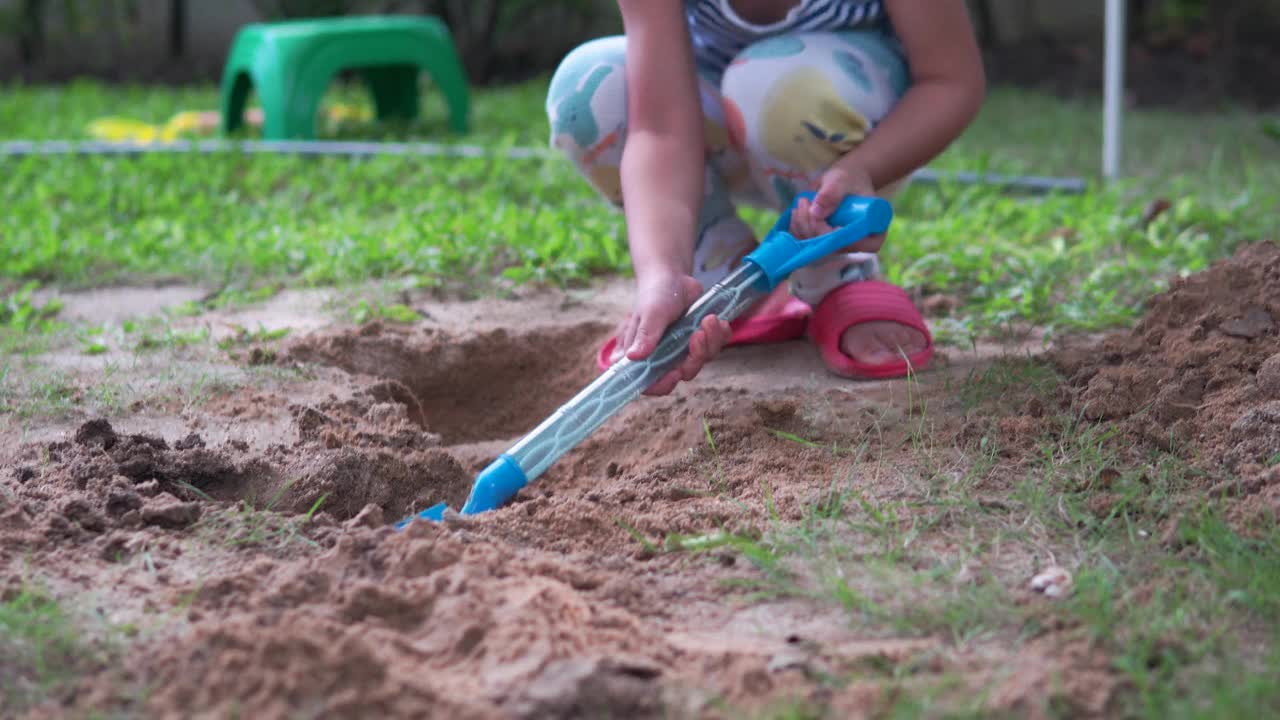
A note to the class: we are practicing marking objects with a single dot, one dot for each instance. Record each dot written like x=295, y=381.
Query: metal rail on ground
x=1021, y=183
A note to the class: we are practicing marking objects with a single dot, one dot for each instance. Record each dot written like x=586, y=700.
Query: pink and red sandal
x=787, y=324
x=859, y=302
x=841, y=309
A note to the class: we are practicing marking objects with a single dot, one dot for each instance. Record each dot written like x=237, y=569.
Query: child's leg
x=586, y=106
x=803, y=102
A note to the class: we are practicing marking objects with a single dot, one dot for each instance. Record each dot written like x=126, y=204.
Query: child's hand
x=660, y=300
x=810, y=218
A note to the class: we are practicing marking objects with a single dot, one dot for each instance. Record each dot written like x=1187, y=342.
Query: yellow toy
x=194, y=123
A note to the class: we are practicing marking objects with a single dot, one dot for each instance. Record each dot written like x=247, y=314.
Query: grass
x=1184, y=626
x=231, y=219
x=1065, y=262
x=257, y=522
x=510, y=115
x=27, y=394
x=51, y=368
x=41, y=648
x=1184, y=604
x=165, y=372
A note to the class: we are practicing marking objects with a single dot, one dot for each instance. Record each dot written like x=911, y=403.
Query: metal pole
x=1113, y=89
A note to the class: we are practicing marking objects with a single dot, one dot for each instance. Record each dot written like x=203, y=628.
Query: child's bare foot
x=881, y=342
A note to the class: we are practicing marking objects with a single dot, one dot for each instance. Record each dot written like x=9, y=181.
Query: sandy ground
x=246, y=539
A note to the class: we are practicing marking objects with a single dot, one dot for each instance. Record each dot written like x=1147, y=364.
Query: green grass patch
x=245, y=336
x=1063, y=262
x=872, y=559
x=1006, y=385
x=1191, y=627
x=24, y=395
x=364, y=311
x=233, y=219
x=25, y=322
x=41, y=648
x=18, y=311
x=1183, y=602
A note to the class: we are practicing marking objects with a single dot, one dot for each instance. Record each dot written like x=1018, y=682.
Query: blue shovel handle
x=781, y=254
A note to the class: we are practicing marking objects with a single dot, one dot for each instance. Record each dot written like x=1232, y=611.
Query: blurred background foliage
x=1182, y=52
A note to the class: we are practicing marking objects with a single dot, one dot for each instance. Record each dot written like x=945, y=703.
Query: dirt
x=1200, y=373
x=251, y=542
x=550, y=607
x=356, y=466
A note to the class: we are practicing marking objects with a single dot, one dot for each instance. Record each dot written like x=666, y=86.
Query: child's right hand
x=660, y=300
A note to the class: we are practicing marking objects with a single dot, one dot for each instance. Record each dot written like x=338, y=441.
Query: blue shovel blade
x=501, y=480
x=435, y=512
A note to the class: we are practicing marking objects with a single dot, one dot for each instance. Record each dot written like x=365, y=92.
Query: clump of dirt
x=1200, y=370
x=349, y=454
x=486, y=386
x=378, y=415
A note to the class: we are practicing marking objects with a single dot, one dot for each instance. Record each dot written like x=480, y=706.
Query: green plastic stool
x=291, y=64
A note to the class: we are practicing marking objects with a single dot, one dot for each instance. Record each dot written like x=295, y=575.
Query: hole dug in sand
x=495, y=385
x=478, y=392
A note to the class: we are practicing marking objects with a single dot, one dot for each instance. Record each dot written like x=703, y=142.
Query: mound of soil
x=349, y=455
x=1200, y=371
x=430, y=622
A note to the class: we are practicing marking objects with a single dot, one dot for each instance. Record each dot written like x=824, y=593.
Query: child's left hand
x=809, y=218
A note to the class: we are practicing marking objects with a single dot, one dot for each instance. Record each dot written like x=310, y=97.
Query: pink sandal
x=788, y=324
x=859, y=302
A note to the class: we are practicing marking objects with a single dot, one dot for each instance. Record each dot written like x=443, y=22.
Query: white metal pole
x=1113, y=89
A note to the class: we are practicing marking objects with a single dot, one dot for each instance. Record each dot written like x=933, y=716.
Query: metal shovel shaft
x=627, y=379
x=761, y=271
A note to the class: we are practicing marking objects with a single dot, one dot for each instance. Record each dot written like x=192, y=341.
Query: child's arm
x=662, y=172
x=947, y=87
x=663, y=159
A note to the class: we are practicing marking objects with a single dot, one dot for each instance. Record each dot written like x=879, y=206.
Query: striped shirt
x=719, y=33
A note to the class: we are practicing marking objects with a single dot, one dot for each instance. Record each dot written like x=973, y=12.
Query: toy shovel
x=772, y=262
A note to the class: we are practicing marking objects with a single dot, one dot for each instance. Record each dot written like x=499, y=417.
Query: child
x=706, y=103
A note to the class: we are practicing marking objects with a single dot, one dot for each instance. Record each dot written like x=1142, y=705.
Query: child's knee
x=586, y=100
x=808, y=99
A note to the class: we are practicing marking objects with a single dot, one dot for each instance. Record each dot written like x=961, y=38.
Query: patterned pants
x=783, y=111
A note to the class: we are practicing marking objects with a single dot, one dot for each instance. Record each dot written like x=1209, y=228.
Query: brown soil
x=390, y=467
x=550, y=607
x=268, y=581
x=1200, y=373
